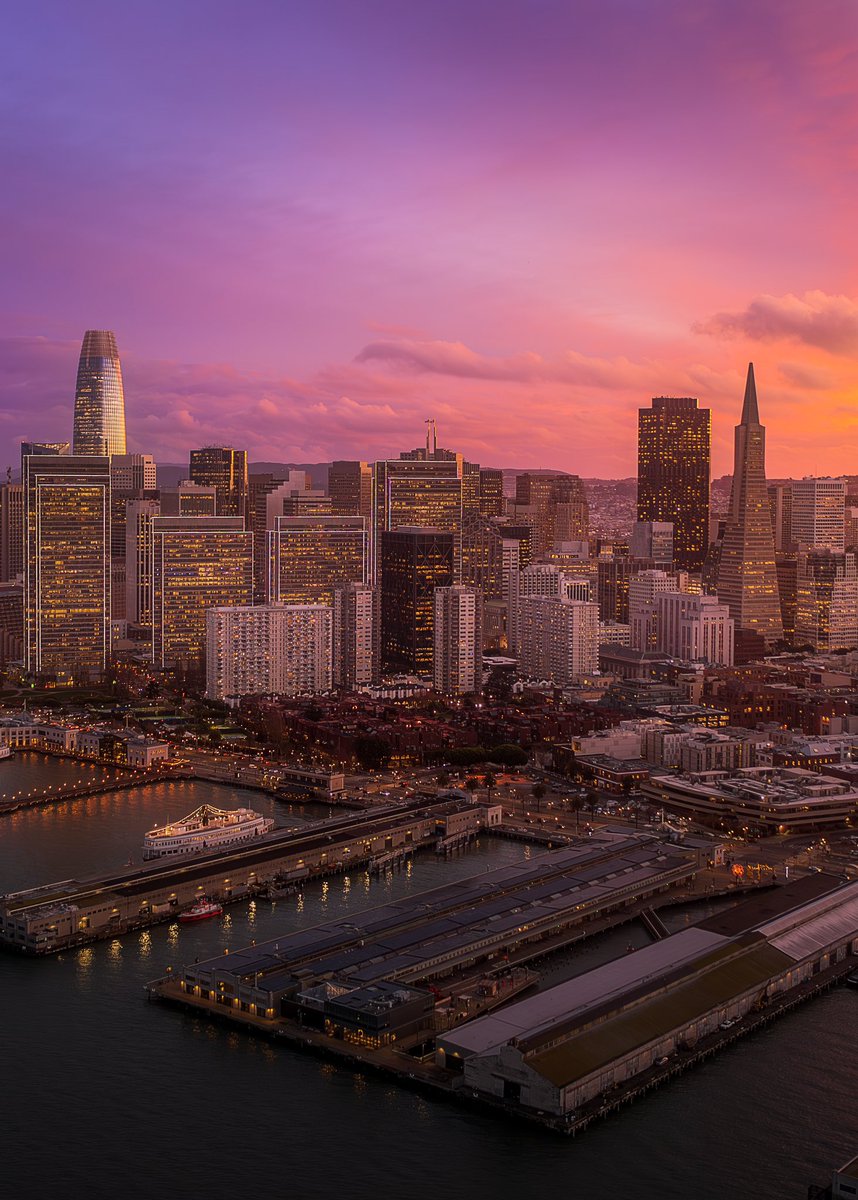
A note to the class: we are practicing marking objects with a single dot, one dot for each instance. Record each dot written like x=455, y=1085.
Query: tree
x=373, y=752
x=577, y=804
x=472, y=783
x=489, y=782
x=538, y=791
x=442, y=779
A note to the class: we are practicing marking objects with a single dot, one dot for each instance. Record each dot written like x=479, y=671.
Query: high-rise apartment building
x=350, y=489
x=458, y=655
x=355, y=646
x=99, y=399
x=310, y=556
x=224, y=469
x=818, y=513
x=197, y=563
x=414, y=562
x=282, y=649
x=747, y=575
x=558, y=639
x=67, y=564
x=645, y=587
x=673, y=473
x=695, y=628
x=826, y=612
x=538, y=579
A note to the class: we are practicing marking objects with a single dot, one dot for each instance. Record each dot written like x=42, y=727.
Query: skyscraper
x=458, y=640
x=418, y=492
x=414, y=562
x=350, y=489
x=310, y=556
x=354, y=641
x=197, y=563
x=673, y=474
x=282, y=648
x=826, y=615
x=99, y=400
x=747, y=576
x=818, y=513
x=558, y=639
x=224, y=469
x=67, y=564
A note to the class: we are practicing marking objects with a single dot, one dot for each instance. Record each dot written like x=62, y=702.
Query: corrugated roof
x=828, y=920
x=659, y=1017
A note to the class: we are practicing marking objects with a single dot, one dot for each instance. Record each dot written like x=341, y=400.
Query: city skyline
x=528, y=253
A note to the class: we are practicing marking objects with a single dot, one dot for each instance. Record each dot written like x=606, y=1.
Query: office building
x=350, y=489
x=826, y=606
x=188, y=499
x=780, y=503
x=558, y=639
x=555, y=506
x=310, y=556
x=355, y=646
x=132, y=476
x=267, y=498
x=645, y=587
x=264, y=649
x=44, y=448
x=415, y=493
x=652, y=543
x=695, y=628
x=491, y=492
x=197, y=563
x=99, y=399
x=11, y=532
x=224, y=469
x=138, y=559
x=818, y=513
x=613, y=572
x=414, y=562
x=747, y=574
x=673, y=474
x=67, y=565
x=458, y=641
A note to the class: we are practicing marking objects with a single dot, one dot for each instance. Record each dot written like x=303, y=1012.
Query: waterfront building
x=558, y=639
x=350, y=489
x=414, y=562
x=818, y=513
x=309, y=556
x=197, y=563
x=67, y=565
x=224, y=469
x=826, y=600
x=99, y=400
x=747, y=573
x=11, y=532
x=694, y=627
x=673, y=474
x=275, y=648
x=355, y=646
x=458, y=656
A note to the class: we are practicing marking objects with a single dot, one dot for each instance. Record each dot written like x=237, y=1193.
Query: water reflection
x=144, y=943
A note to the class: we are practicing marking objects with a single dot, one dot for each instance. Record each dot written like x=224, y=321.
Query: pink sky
x=311, y=227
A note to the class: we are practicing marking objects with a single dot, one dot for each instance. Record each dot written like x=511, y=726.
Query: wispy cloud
x=816, y=319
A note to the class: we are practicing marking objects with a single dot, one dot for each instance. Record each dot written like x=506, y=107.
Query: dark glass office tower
x=414, y=561
x=99, y=400
x=225, y=469
x=673, y=474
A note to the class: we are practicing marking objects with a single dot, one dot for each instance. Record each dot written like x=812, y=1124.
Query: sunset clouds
x=313, y=226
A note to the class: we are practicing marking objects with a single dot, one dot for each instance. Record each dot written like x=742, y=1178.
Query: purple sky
x=313, y=225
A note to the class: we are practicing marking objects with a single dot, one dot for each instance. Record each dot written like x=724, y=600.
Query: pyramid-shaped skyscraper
x=747, y=576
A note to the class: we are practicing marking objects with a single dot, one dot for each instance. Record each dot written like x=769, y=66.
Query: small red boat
x=202, y=910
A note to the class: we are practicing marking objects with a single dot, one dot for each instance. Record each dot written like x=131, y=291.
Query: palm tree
x=538, y=791
x=472, y=783
x=577, y=805
x=489, y=781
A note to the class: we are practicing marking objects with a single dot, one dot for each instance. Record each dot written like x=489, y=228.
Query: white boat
x=206, y=828
x=5, y=751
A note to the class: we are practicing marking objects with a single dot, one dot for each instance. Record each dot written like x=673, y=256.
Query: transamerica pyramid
x=747, y=578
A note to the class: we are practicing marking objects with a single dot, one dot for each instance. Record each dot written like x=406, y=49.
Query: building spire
x=750, y=412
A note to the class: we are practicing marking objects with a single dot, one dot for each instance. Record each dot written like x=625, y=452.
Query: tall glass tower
x=673, y=474
x=99, y=401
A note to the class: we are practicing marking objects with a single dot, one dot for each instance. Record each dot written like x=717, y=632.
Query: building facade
x=280, y=649
x=673, y=473
x=694, y=627
x=414, y=562
x=99, y=399
x=355, y=645
x=310, y=556
x=458, y=640
x=224, y=469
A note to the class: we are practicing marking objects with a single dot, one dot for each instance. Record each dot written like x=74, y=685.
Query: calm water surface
x=106, y=1095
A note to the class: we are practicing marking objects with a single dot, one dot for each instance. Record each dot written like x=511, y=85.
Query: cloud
x=816, y=318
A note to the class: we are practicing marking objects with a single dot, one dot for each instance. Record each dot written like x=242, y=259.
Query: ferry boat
x=201, y=911
x=5, y=751
x=206, y=828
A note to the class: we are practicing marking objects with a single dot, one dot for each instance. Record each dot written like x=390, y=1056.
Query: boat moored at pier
x=206, y=828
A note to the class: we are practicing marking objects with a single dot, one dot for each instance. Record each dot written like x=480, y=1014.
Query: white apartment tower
x=458, y=632
x=559, y=638
x=819, y=513
x=354, y=642
x=283, y=649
